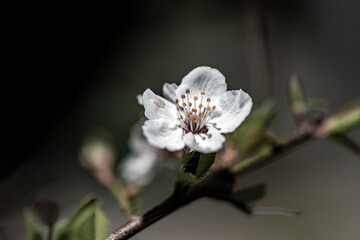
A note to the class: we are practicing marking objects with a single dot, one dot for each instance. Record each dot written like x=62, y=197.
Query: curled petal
x=158, y=107
x=164, y=134
x=203, y=79
x=205, y=143
x=235, y=106
x=169, y=91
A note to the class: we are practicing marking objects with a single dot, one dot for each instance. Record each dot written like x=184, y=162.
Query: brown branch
x=217, y=185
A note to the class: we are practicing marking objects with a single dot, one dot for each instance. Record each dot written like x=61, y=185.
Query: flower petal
x=205, y=143
x=169, y=91
x=163, y=133
x=138, y=168
x=158, y=107
x=203, y=79
x=139, y=99
x=234, y=106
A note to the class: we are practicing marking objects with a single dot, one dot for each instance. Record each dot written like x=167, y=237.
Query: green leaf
x=87, y=223
x=253, y=130
x=31, y=229
x=186, y=179
x=249, y=194
x=341, y=122
x=297, y=97
x=190, y=162
x=204, y=164
x=194, y=166
x=263, y=151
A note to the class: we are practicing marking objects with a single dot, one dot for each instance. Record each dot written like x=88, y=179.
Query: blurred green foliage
x=32, y=230
x=88, y=222
x=252, y=132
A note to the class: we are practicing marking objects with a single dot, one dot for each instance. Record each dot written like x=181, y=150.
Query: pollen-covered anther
x=194, y=117
x=213, y=107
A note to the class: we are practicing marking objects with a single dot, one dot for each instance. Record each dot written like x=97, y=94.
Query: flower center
x=194, y=115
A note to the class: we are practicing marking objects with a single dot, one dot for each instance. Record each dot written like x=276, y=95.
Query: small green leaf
x=33, y=232
x=186, y=179
x=253, y=129
x=204, y=164
x=88, y=223
x=190, y=162
x=297, y=97
x=341, y=122
x=194, y=166
x=263, y=151
x=249, y=194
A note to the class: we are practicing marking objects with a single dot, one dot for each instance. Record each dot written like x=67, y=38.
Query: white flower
x=144, y=161
x=139, y=165
x=198, y=111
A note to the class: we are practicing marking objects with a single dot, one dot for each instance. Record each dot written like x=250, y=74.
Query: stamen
x=192, y=117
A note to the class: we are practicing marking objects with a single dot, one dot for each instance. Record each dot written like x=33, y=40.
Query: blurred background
x=75, y=68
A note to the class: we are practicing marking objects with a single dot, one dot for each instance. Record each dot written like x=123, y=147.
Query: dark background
x=71, y=68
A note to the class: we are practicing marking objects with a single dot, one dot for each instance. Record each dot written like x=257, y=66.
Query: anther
x=213, y=107
x=184, y=104
x=208, y=108
x=182, y=96
x=176, y=101
x=195, y=98
x=208, y=99
x=200, y=106
x=190, y=104
x=187, y=91
x=202, y=93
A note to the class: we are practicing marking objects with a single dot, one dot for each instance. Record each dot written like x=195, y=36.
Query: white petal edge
x=138, y=168
x=158, y=107
x=205, y=143
x=164, y=134
x=139, y=99
x=169, y=91
x=203, y=79
x=235, y=106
